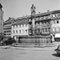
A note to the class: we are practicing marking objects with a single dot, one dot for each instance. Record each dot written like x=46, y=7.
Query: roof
x=47, y=13
x=22, y=21
x=10, y=19
x=54, y=18
x=40, y=14
x=25, y=19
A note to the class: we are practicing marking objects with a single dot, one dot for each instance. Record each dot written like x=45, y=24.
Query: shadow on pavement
x=56, y=55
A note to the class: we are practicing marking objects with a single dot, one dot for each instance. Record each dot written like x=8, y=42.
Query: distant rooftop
x=10, y=19
x=40, y=14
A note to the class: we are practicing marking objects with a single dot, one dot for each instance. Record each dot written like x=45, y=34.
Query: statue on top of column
x=33, y=9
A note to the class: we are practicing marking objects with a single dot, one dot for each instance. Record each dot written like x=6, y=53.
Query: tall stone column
x=33, y=18
x=33, y=25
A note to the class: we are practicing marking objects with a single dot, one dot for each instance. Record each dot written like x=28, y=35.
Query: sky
x=19, y=8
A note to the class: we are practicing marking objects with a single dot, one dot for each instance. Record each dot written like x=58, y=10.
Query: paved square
x=18, y=53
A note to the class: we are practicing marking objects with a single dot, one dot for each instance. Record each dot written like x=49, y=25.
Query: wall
x=35, y=39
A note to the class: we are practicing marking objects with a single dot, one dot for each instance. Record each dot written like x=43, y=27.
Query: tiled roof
x=40, y=14
x=10, y=19
x=47, y=13
x=25, y=19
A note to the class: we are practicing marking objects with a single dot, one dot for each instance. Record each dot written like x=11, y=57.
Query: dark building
x=1, y=19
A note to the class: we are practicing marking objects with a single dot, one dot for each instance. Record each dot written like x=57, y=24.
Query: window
x=53, y=15
x=40, y=23
x=58, y=15
x=26, y=24
x=19, y=31
x=41, y=18
x=45, y=17
x=57, y=21
x=12, y=26
x=37, y=31
x=26, y=30
x=46, y=29
x=16, y=31
x=53, y=29
x=16, y=25
x=23, y=25
x=22, y=30
x=13, y=31
x=29, y=20
x=37, y=23
x=57, y=29
x=19, y=25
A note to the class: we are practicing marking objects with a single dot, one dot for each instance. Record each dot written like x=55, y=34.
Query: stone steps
x=35, y=45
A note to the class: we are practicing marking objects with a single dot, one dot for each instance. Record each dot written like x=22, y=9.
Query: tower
x=1, y=19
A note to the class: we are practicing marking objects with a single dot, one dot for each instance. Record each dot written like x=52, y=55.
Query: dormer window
x=53, y=15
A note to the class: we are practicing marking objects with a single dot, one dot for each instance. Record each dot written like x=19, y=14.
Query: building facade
x=32, y=26
x=1, y=19
x=36, y=28
x=7, y=26
x=55, y=27
x=20, y=28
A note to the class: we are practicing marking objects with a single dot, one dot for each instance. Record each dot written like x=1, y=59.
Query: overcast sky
x=19, y=8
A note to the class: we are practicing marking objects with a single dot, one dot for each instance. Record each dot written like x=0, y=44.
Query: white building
x=20, y=28
x=55, y=26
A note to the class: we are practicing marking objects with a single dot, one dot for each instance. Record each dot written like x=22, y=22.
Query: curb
x=39, y=46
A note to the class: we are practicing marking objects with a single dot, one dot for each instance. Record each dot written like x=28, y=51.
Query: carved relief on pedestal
x=46, y=28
